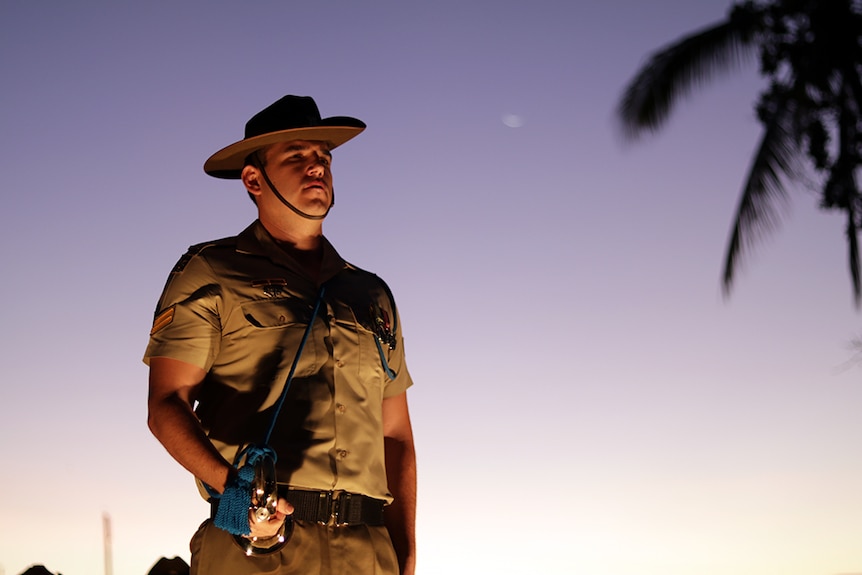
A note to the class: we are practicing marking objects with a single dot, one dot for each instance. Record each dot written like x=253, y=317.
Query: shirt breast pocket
x=358, y=345
x=269, y=314
x=273, y=334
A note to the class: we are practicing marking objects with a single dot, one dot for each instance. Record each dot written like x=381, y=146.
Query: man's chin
x=316, y=209
x=319, y=207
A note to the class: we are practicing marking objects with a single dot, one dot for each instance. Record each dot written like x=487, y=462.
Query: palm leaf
x=852, y=109
x=853, y=244
x=756, y=215
x=672, y=72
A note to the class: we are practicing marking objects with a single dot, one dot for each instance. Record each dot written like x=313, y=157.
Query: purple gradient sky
x=586, y=401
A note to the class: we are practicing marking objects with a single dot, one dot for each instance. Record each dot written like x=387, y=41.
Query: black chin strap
x=259, y=165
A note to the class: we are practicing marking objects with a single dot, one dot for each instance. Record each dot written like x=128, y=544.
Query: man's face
x=301, y=171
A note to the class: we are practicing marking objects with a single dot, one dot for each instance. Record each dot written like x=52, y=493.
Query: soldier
x=270, y=338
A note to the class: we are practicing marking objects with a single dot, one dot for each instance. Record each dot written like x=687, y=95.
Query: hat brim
x=228, y=162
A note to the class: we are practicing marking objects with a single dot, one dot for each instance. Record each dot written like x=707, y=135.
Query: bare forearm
x=401, y=515
x=175, y=425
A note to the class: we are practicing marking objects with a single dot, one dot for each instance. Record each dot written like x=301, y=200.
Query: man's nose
x=317, y=167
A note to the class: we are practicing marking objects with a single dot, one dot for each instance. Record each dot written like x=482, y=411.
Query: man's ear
x=251, y=180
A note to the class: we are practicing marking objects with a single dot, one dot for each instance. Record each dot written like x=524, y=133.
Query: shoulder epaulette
x=197, y=249
x=385, y=289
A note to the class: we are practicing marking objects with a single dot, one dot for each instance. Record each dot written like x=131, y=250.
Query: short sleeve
x=187, y=324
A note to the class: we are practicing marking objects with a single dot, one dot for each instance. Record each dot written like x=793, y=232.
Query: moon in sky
x=513, y=120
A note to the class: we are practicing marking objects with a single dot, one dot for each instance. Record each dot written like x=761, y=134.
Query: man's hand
x=271, y=527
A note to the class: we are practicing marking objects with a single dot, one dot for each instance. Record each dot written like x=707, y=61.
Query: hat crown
x=288, y=113
x=290, y=118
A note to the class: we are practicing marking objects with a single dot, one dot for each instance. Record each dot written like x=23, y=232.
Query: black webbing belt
x=336, y=507
x=330, y=507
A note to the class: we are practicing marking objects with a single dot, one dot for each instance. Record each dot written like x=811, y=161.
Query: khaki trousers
x=312, y=549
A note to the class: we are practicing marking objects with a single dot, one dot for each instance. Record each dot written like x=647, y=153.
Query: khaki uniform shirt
x=238, y=309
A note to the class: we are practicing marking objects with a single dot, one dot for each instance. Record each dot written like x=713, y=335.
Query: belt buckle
x=324, y=508
x=341, y=508
x=333, y=508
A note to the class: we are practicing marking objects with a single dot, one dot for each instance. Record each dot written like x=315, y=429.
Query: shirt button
x=341, y=408
x=342, y=453
x=339, y=363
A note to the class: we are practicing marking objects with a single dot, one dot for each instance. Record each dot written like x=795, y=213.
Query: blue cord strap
x=388, y=370
x=235, y=501
x=289, y=379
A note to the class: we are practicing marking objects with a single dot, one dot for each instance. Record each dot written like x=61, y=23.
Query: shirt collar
x=256, y=240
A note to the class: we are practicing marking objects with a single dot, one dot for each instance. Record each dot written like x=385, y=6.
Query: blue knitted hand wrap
x=235, y=501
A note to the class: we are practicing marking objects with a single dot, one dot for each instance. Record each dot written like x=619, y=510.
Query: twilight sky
x=586, y=402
